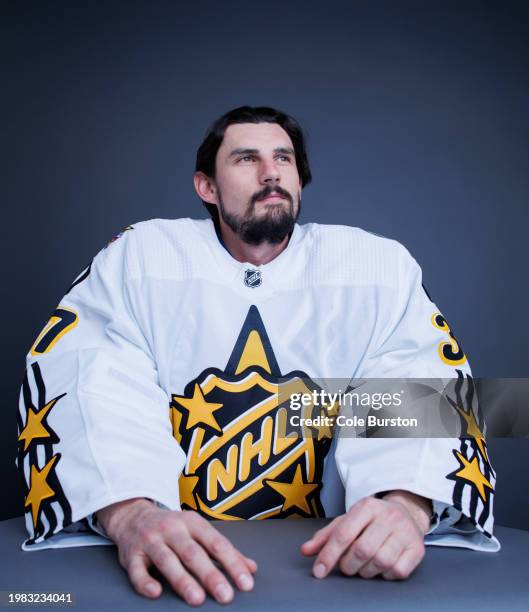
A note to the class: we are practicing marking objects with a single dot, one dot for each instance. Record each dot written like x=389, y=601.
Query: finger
x=385, y=558
x=140, y=578
x=182, y=582
x=252, y=565
x=343, y=535
x=221, y=549
x=405, y=564
x=364, y=549
x=195, y=559
x=312, y=546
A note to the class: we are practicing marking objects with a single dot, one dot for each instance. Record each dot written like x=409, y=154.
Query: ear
x=205, y=188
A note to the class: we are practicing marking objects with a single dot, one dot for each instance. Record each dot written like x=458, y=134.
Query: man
x=211, y=317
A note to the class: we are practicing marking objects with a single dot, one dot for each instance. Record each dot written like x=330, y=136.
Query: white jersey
x=157, y=376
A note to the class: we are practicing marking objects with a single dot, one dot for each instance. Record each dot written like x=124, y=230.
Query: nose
x=269, y=173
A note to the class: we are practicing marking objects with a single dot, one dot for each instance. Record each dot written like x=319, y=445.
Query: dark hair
x=207, y=152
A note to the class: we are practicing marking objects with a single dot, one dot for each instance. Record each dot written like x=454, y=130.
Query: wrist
x=113, y=517
x=420, y=508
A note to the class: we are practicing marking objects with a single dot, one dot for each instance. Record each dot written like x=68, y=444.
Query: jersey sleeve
x=414, y=341
x=93, y=420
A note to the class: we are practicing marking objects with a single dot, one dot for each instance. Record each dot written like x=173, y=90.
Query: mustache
x=269, y=190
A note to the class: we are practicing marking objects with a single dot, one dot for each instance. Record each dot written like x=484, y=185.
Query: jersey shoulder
x=353, y=255
x=151, y=231
x=166, y=248
x=353, y=237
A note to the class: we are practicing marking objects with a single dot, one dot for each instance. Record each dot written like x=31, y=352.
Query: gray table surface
x=447, y=579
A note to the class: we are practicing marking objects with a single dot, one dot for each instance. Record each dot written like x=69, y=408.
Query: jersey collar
x=221, y=248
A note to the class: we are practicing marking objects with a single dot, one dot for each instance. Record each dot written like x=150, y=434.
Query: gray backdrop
x=417, y=123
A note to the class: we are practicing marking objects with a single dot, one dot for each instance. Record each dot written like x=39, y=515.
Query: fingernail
x=223, y=593
x=319, y=570
x=150, y=588
x=245, y=582
x=193, y=596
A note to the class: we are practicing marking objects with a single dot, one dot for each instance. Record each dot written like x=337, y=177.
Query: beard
x=272, y=226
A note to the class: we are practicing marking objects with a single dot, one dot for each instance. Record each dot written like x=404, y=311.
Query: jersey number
x=450, y=352
x=60, y=323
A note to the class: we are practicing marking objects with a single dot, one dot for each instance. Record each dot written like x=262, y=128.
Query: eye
x=246, y=158
x=284, y=158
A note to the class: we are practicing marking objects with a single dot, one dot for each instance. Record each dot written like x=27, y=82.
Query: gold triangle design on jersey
x=253, y=354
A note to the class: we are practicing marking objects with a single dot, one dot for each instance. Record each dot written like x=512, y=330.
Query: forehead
x=261, y=136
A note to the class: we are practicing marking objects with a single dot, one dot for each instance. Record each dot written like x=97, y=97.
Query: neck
x=255, y=254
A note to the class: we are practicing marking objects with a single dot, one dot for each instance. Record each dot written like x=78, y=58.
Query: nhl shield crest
x=252, y=278
x=231, y=423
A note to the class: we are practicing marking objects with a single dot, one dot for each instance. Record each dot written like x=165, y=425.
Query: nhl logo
x=252, y=278
x=232, y=425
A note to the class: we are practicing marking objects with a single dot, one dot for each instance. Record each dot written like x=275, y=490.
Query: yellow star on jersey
x=295, y=492
x=187, y=485
x=474, y=431
x=325, y=430
x=39, y=488
x=471, y=472
x=200, y=411
x=333, y=409
x=34, y=427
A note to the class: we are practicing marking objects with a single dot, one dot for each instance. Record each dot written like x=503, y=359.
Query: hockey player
x=152, y=397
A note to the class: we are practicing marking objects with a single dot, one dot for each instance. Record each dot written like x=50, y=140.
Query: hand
x=180, y=544
x=376, y=536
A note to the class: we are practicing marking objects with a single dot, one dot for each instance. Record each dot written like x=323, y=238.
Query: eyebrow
x=236, y=152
